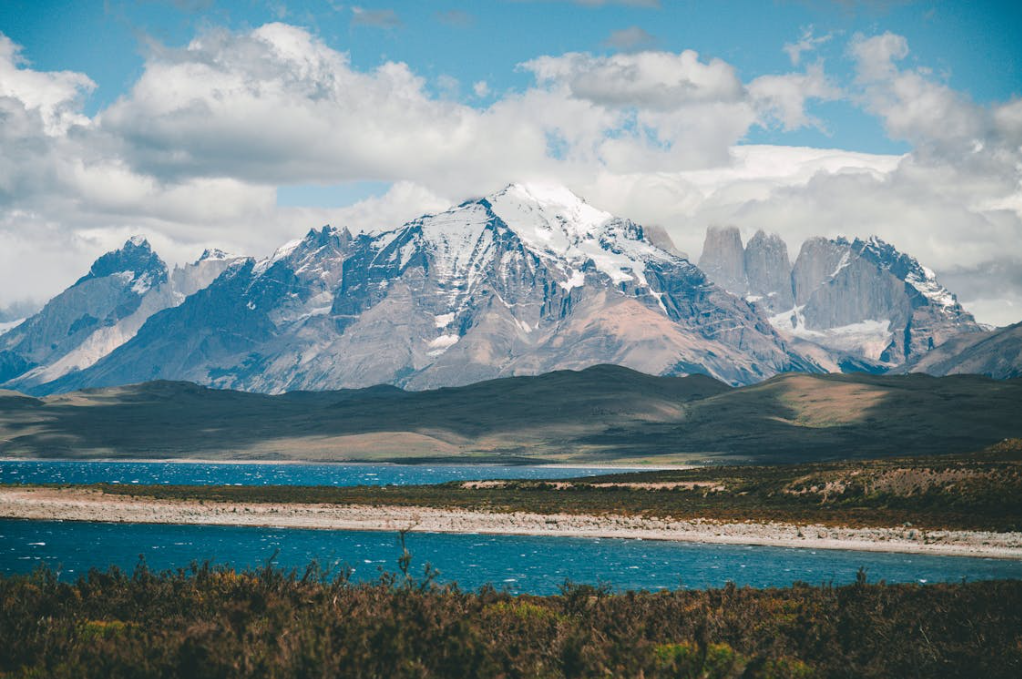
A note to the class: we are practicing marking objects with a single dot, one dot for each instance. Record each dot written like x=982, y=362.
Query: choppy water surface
x=537, y=565
x=269, y=474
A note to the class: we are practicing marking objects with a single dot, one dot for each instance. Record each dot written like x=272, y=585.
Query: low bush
x=215, y=622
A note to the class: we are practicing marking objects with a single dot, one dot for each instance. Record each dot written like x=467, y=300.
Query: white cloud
x=651, y=80
x=53, y=96
x=783, y=98
x=807, y=43
x=192, y=154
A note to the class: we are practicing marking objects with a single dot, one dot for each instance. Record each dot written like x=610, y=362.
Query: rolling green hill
x=602, y=414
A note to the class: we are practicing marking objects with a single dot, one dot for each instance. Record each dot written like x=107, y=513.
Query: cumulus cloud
x=54, y=97
x=656, y=80
x=193, y=153
x=783, y=98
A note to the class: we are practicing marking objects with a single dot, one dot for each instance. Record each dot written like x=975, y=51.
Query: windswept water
x=530, y=564
x=270, y=473
x=537, y=565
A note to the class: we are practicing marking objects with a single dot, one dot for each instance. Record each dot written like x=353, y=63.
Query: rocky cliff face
x=111, y=291
x=768, y=272
x=867, y=298
x=723, y=259
x=658, y=236
x=818, y=260
x=100, y=312
x=759, y=271
x=525, y=281
x=863, y=303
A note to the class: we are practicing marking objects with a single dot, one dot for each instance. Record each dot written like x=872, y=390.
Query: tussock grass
x=215, y=622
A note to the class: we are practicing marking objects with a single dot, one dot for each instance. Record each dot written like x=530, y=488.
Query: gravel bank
x=75, y=504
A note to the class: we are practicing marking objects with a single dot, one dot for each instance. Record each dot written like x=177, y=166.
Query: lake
x=520, y=563
x=537, y=565
x=272, y=474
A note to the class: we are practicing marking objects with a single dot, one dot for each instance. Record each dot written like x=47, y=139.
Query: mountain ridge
x=528, y=280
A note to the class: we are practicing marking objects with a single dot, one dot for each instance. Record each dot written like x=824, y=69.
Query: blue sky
x=973, y=46
x=241, y=124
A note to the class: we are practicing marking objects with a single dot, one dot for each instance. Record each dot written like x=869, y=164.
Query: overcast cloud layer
x=193, y=153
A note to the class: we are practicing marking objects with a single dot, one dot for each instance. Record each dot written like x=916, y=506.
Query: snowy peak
x=135, y=263
x=317, y=245
x=907, y=268
x=538, y=212
x=554, y=223
x=550, y=222
x=214, y=255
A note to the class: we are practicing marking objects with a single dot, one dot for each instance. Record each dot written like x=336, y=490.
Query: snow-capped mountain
x=524, y=281
x=866, y=304
x=101, y=311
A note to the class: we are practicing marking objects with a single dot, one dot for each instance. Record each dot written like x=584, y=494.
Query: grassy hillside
x=602, y=414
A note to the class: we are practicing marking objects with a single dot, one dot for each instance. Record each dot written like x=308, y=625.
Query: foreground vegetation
x=213, y=622
x=975, y=492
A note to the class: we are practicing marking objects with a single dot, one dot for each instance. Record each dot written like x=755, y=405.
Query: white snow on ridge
x=869, y=338
x=442, y=344
x=576, y=280
x=927, y=285
x=846, y=259
x=461, y=244
x=555, y=223
x=280, y=253
x=10, y=325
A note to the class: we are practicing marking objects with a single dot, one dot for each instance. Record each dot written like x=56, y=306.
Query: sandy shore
x=74, y=504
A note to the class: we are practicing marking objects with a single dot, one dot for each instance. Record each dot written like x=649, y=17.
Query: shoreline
x=452, y=462
x=90, y=505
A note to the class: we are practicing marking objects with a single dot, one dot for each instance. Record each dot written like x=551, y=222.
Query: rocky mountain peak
x=658, y=236
x=906, y=268
x=723, y=258
x=768, y=272
x=214, y=255
x=819, y=260
x=135, y=262
x=547, y=213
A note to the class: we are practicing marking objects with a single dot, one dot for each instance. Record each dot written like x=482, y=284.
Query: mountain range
x=528, y=280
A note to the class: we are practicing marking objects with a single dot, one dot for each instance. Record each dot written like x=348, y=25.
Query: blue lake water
x=536, y=565
x=241, y=474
